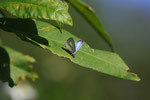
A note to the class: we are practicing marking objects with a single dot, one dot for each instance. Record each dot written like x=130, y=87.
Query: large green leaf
x=88, y=13
x=41, y=9
x=101, y=61
x=20, y=65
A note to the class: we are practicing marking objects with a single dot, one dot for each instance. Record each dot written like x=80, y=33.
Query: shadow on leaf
x=25, y=29
x=5, y=67
x=68, y=52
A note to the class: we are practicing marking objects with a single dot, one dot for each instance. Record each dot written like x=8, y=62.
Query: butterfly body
x=73, y=47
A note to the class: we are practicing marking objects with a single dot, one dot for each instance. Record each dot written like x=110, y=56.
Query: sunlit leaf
x=101, y=61
x=88, y=13
x=41, y=9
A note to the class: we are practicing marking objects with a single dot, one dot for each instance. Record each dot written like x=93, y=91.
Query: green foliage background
x=62, y=80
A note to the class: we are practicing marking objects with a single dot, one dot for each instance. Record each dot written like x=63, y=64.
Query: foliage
x=15, y=66
x=89, y=14
x=29, y=28
x=39, y=9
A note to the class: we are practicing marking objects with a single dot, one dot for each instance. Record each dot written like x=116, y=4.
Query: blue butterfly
x=73, y=47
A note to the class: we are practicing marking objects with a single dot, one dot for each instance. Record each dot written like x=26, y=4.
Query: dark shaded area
x=68, y=52
x=5, y=67
x=2, y=13
x=25, y=29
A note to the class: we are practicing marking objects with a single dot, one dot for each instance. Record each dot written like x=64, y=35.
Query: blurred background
x=128, y=24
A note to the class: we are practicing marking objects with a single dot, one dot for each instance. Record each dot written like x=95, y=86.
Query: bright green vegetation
x=27, y=26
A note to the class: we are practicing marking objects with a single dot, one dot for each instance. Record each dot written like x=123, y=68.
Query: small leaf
x=40, y=9
x=20, y=66
x=88, y=13
x=101, y=61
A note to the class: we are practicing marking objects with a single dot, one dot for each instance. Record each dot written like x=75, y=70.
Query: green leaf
x=41, y=9
x=101, y=61
x=88, y=13
x=20, y=66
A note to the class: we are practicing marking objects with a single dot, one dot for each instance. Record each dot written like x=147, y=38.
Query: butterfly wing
x=70, y=45
x=78, y=45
